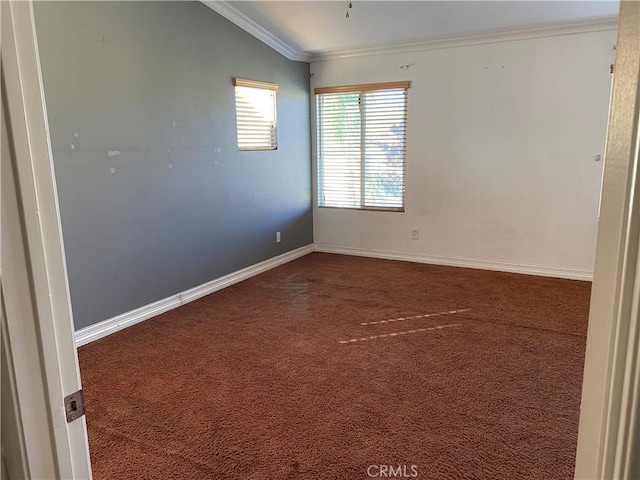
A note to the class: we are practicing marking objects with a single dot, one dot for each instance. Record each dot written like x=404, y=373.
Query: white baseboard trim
x=122, y=321
x=542, y=270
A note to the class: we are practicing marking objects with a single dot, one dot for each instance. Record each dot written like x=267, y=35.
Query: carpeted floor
x=331, y=365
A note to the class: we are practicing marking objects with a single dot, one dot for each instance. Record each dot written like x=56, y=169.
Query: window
x=256, y=114
x=362, y=144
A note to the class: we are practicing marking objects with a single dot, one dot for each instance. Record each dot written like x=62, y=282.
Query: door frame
x=39, y=355
x=609, y=422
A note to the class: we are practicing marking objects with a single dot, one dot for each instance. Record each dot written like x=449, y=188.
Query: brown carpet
x=277, y=378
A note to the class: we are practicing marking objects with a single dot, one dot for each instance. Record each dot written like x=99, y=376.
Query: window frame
x=361, y=89
x=258, y=85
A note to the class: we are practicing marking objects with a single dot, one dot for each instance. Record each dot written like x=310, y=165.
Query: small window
x=362, y=145
x=256, y=114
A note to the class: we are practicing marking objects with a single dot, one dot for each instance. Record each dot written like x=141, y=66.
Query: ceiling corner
x=227, y=11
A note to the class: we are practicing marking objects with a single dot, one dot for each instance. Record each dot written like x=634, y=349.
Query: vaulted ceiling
x=307, y=30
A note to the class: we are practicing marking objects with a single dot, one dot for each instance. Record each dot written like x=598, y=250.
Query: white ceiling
x=304, y=29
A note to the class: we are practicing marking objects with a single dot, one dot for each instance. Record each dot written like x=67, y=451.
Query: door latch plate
x=74, y=405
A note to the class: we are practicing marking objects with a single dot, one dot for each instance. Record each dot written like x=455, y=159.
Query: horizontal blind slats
x=340, y=150
x=256, y=115
x=362, y=148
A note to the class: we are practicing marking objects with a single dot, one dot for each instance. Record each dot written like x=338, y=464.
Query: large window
x=362, y=138
x=256, y=114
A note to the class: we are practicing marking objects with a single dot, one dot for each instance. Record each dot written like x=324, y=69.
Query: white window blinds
x=256, y=114
x=361, y=139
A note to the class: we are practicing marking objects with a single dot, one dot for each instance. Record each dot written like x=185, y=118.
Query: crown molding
x=497, y=36
x=262, y=34
x=574, y=28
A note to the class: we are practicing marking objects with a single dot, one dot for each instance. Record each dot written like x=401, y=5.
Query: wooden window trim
x=243, y=82
x=362, y=88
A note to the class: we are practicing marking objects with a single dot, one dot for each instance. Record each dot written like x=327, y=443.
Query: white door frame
x=609, y=409
x=38, y=355
x=31, y=230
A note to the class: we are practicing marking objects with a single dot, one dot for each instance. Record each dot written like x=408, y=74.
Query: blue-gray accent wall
x=155, y=197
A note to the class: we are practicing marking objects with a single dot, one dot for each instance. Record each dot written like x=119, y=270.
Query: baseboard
x=542, y=270
x=119, y=322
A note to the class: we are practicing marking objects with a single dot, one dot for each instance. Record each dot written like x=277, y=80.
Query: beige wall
x=501, y=145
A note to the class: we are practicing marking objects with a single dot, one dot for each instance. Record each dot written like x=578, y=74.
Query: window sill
x=367, y=209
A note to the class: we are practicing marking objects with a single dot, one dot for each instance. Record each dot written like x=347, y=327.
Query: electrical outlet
x=278, y=237
x=415, y=233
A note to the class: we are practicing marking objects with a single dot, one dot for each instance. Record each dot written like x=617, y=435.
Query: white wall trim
x=37, y=309
x=262, y=34
x=609, y=429
x=127, y=319
x=289, y=51
x=122, y=321
x=496, y=36
x=574, y=28
x=542, y=270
